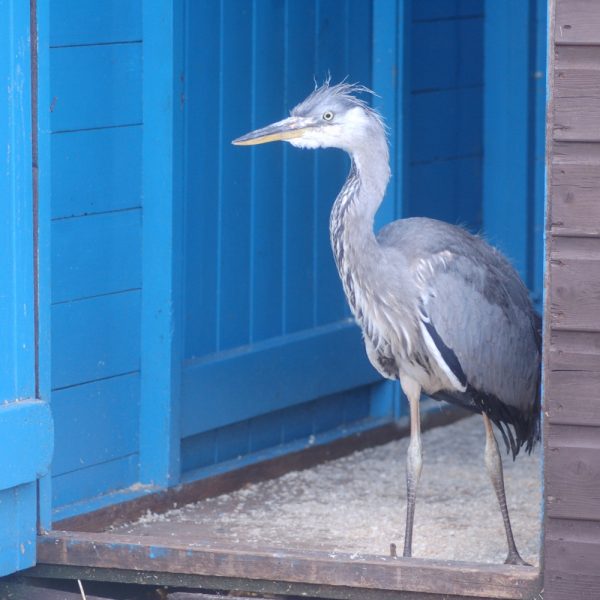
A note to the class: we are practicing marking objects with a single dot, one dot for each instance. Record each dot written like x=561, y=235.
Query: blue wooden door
x=26, y=433
x=270, y=353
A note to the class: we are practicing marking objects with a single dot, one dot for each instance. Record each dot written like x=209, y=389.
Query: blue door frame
x=26, y=431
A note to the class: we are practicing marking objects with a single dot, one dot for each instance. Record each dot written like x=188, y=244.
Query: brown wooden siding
x=572, y=350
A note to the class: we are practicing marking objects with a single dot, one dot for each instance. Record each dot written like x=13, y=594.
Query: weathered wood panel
x=572, y=398
x=577, y=22
x=572, y=350
x=576, y=202
x=339, y=570
x=572, y=559
x=575, y=293
x=577, y=104
x=571, y=484
x=576, y=57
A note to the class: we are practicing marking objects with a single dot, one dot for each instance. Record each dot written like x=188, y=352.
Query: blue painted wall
x=228, y=313
x=93, y=53
x=445, y=108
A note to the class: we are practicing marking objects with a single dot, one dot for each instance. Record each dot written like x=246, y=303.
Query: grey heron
x=440, y=309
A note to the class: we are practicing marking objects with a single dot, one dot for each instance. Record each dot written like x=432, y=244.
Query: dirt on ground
x=357, y=504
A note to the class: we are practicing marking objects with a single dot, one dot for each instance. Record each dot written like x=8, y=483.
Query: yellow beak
x=290, y=128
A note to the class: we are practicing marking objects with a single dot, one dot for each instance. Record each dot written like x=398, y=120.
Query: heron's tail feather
x=517, y=428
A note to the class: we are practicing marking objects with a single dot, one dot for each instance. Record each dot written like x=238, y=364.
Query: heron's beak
x=290, y=128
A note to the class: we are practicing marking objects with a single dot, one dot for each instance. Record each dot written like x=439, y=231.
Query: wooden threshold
x=279, y=571
x=83, y=549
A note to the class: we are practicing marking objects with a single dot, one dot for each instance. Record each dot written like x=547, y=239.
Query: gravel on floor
x=357, y=504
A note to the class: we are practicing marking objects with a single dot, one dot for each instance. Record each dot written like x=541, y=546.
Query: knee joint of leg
x=414, y=457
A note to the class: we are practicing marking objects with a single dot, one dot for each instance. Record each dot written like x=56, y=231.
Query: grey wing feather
x=477, y=304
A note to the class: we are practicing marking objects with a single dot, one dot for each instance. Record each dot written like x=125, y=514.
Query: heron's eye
x=328, y=115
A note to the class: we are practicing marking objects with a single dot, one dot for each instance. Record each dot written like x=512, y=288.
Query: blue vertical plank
x=447, y=54
x=446, y=124
x=506, y=183
x=44, y=179
x=27, y=436
x=17, y=528
x=17, y=351
x=429, y=10
x=539, y=151
x=234, y=220
x=202, y=118
x=391, y=39
x=446, y=87
x=329, y=303
x=299, y=172
x=267, y=172
x=359, y=41
x=161, y=351
x=25, y=425
x=388, y=83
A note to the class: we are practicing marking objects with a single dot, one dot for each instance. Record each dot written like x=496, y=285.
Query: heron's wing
x=493, y=340
x=476, y=320
x=474, y=305
x=481, y=313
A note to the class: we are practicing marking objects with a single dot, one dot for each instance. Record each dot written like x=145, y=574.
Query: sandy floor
x=357, y=504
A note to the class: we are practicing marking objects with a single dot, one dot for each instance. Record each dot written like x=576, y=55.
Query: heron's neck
x=353, y=213
x=353, y=240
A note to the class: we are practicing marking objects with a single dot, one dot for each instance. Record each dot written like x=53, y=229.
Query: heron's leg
x=493, y=463
x=414, y=458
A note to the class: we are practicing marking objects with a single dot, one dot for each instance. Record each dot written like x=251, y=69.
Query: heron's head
x=331, y=117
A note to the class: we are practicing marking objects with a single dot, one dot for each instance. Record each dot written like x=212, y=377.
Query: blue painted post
x=507, y=184
x=161, y=338
x=26, y=433
x=42, y=181
x=17, y=350
x=391, y=31
x=540, y=25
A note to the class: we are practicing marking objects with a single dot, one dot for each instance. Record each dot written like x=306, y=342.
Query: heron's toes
x=514, y=558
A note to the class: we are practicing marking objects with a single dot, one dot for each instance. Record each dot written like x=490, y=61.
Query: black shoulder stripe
x=447, y=354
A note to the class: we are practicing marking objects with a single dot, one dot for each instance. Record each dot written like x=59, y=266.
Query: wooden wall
x=572, y=375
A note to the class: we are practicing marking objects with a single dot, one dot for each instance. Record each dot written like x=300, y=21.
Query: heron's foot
x=514, y=558
x=407, y=552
